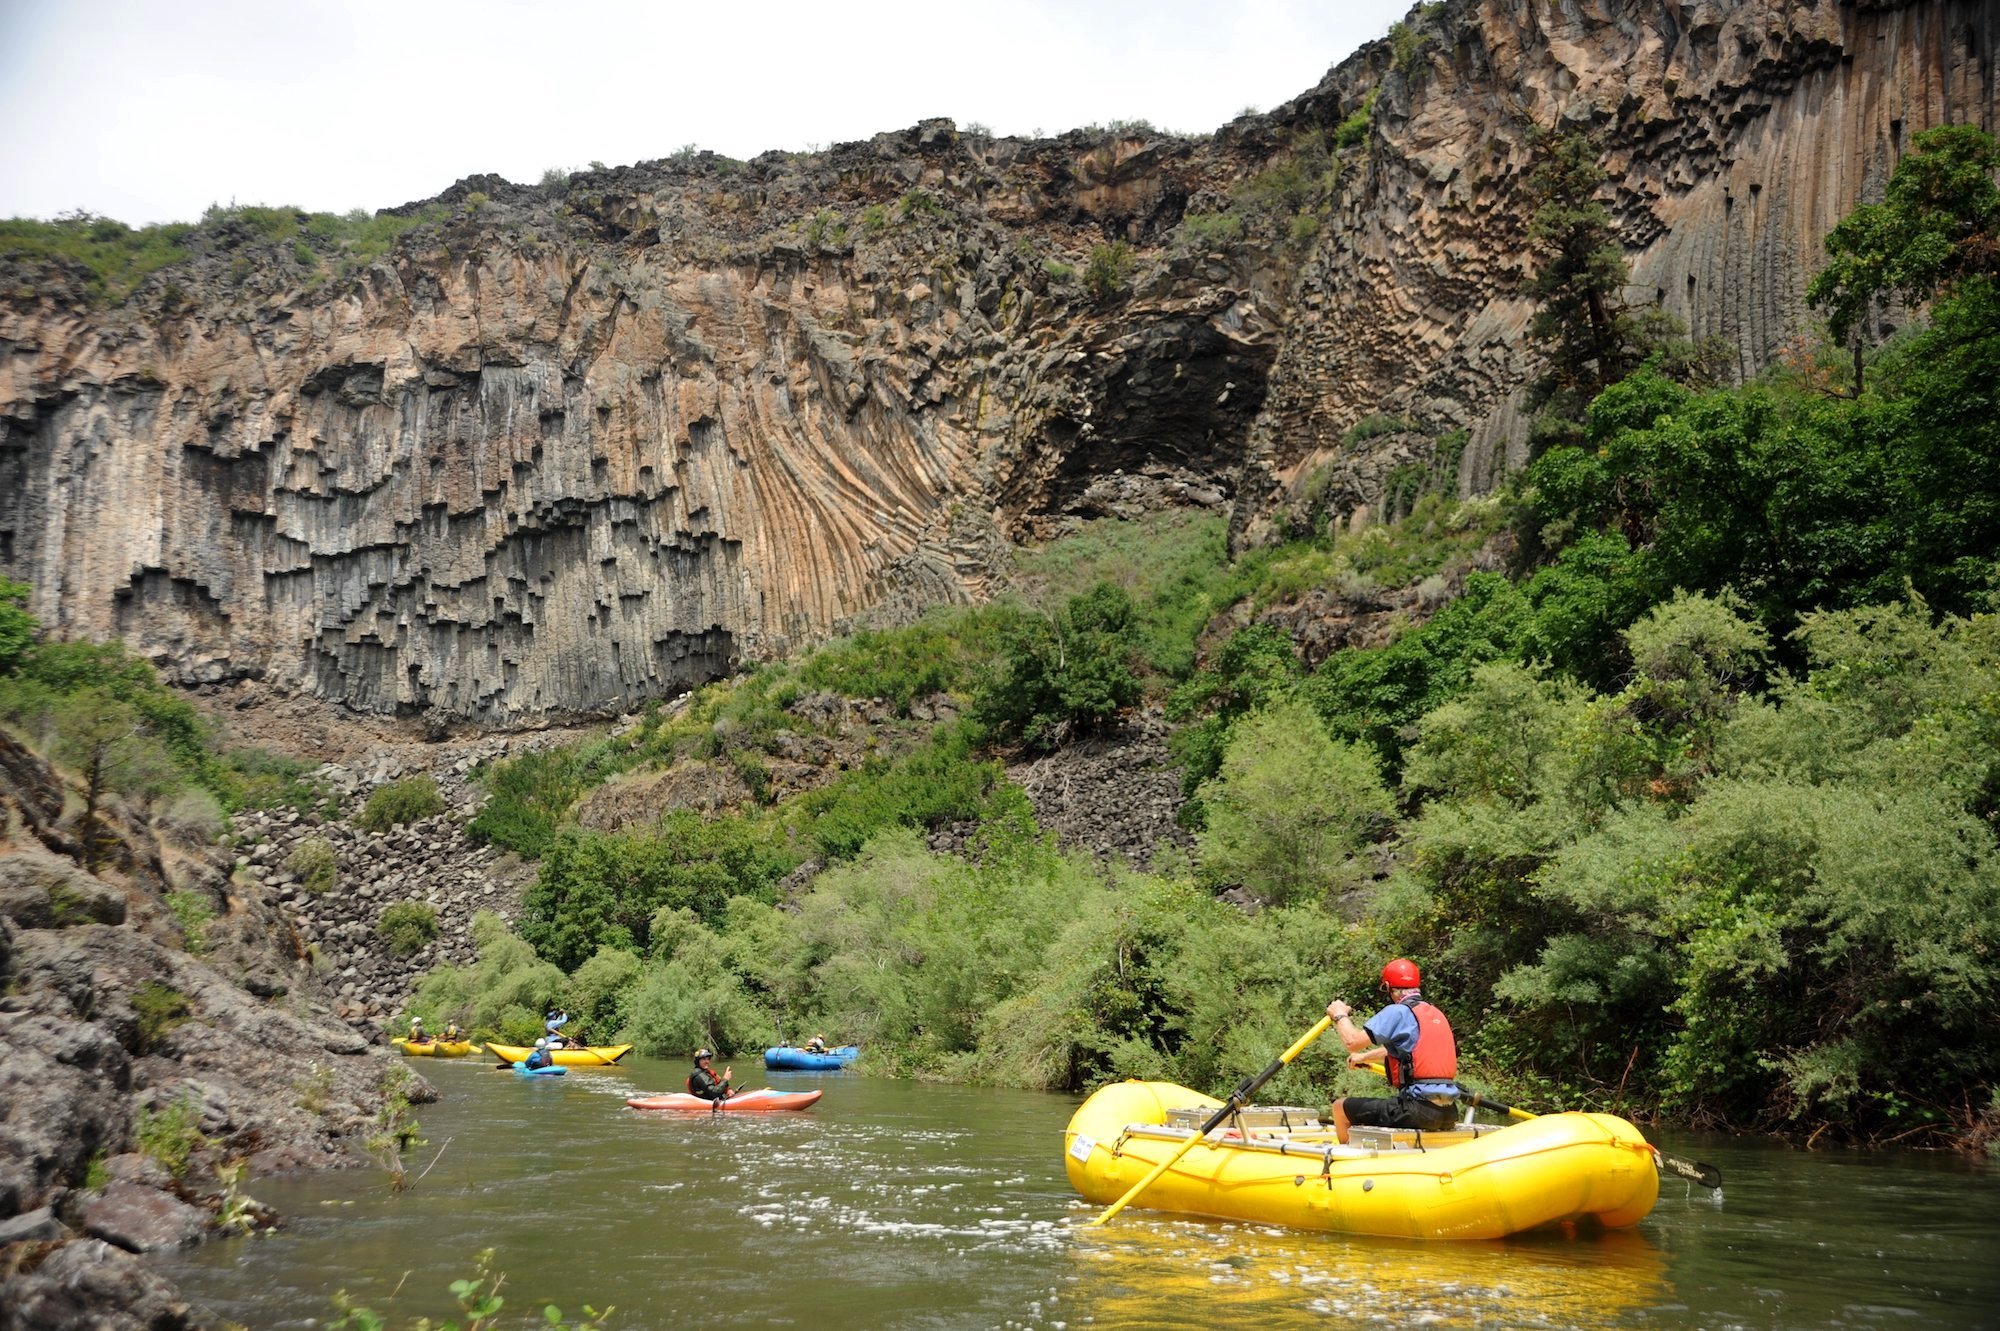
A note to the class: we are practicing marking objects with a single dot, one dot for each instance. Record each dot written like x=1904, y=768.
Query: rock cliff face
x=561, y=450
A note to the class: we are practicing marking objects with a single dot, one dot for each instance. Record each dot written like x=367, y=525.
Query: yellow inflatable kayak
x=435, y=1048
x=1282, y=1167
x=570, y=1056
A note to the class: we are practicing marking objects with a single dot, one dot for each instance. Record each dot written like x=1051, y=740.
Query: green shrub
x=941, y=653
x=193, y=912
x=1353, y=131
x=173, y=1135
x=1104, y=276
x=17, y=627
x=528, y=796
x=116, y=256
x=399, y=802
x=1065, y=674
x=1213, y=230
x=159, y=1008
x=919, y=203
x=315, y=864
x=407, y=926
x=1371, y=427
x=1058, y=271
x=302, y=254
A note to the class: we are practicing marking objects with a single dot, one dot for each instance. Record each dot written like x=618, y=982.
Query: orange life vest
x=1435, y=1057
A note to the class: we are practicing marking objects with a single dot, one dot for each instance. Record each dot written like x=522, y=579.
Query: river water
x=904, y=1205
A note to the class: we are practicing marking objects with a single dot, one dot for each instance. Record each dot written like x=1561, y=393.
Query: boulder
x=142, y=1219
x=91, y=1286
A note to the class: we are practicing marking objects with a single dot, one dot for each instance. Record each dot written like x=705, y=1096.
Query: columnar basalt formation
x=561, y=450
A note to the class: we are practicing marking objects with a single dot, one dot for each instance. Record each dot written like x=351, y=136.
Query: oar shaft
x=1237, y=1099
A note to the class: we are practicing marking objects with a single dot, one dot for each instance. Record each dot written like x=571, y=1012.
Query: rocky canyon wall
x=560, y=450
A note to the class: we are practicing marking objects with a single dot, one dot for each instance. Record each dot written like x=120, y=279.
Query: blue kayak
x=553, y=1070
x=784, y=1058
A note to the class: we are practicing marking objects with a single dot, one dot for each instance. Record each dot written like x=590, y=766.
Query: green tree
x=1590, y=337
x=1937, y=225
x=112, y=747
x=1291, y=808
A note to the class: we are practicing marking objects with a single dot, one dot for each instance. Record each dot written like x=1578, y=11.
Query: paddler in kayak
x=540, y=1058
x=703, y=1081
x=1413, y=1041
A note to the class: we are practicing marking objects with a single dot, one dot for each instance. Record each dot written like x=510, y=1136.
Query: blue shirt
x=1395, y=1029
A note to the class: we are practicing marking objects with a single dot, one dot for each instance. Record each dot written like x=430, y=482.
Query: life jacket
x=1435, y=1057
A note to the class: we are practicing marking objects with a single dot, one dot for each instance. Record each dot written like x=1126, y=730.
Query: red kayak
x=764, y=1099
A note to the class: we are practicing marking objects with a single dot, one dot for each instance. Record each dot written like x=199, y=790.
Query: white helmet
x=541, y=1044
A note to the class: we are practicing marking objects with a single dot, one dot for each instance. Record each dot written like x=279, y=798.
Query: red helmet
x=1401, y=974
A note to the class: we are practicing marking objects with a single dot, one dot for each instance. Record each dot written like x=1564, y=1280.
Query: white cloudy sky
x=149, y=110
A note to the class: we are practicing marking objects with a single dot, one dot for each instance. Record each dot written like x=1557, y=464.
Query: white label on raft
x=1082, y=1147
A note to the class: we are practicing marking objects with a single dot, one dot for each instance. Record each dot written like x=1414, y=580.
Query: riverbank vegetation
x=1693, y=812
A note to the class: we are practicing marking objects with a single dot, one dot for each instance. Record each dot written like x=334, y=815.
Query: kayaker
x=541, y=1058
x=703, y=1081
x=816, y=1045
x=1413, y=1041
x=552, y=1026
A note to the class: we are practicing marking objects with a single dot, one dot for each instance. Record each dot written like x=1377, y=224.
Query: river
x=897, y=1204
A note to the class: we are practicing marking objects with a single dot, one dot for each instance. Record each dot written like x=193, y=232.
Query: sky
x=150, y=110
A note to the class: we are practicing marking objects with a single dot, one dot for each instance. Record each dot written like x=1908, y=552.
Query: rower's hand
x=728, y=1073
x=1337, y=1009
x=1357, y=1061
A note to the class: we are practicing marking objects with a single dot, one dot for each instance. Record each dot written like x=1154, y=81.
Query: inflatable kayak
x=742, y=1101
x=573, y=1056
x=435, y=1048
x=785, y=1058
x=1282, y=1167
x=523, y=1070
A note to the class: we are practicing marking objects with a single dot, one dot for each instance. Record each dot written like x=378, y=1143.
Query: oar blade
x=1708, y=1176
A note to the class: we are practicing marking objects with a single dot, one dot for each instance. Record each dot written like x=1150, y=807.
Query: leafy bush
x=500, y=996
x=159, y=1008
x=1212, y=230
x=1290, y=809
x=17, y=626
x=193, y=912
x=315, y=864
x=1353, y=131
x=399, y=802
x=117, y=256
x=1105, y=274
x=1065, y=674
x=407, y=926
x=172, y=1135
x=528, y=796
x=1057, y=271
x=941, y=653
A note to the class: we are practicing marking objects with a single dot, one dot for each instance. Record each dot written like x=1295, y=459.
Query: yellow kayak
x=1282, y=1167
x=435, y=1048
x=570, y=1056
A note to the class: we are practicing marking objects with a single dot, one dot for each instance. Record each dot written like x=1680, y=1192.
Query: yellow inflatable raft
x=569, y=1056
x=1284, y=1168
x=435, y=1048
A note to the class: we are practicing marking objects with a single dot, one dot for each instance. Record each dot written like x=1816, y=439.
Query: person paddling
x=1414, y=1041
x=417, y=1035
x=541, y=1058
x=703, y=1081
x=552, y=1026
x=816, y=1045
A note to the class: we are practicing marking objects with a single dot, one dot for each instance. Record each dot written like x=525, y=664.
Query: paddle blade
x=1694, y=1171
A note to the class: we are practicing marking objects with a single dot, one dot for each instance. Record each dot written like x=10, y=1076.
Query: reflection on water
x=1151, y=1272
x=895, y=1204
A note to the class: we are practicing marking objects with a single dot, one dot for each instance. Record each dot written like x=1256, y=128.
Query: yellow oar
x=1237, y=1099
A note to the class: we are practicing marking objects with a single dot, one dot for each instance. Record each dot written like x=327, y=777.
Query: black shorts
x=1400, y=1111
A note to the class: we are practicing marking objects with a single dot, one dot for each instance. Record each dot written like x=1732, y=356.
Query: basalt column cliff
x=563, y=448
